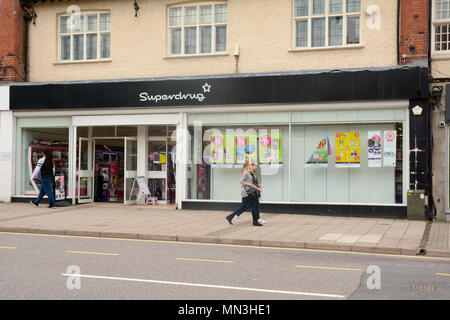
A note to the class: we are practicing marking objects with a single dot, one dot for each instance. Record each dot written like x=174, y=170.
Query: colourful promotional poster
x=374, y=149
x=340, y=145
x=245, y=148
x=354, y=149
x=270, y=149
x=348, y=149
x=60, y=191
x=241, y=143
x=251, y=147
x=229, y=149
x=390, y=146
x=217, y=149
x=319, y=158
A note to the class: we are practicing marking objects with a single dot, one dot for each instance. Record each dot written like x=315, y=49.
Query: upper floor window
x=84, y=37
x=197, y=29
x=441, y=25
x=326, y=23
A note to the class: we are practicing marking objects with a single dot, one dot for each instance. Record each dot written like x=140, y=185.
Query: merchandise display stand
x=143, y=187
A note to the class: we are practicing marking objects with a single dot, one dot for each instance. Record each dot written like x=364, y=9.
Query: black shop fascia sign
x=355, y=85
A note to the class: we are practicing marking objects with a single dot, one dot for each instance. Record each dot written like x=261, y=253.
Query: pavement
x=164, y=223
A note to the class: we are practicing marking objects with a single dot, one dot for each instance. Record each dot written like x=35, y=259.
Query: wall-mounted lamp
x=374, y=20
x=372, y=9
x=136, y=8
x=436, y=94
x=417, y=110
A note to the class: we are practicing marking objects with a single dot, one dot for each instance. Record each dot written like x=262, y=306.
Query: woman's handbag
x=253, y=193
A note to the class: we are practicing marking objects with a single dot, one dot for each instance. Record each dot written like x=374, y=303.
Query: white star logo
x=206, y=87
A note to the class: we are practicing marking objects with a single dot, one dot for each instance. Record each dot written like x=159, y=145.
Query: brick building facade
x=413, y=31
x=12, y=41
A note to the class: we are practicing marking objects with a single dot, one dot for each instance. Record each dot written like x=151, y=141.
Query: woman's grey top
x=246, y=177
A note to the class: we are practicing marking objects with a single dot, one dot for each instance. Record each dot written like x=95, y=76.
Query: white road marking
x=207, y=286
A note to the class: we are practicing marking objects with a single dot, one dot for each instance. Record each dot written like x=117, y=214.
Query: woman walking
x=257, y=193
x=46, y=167
x=249, y=193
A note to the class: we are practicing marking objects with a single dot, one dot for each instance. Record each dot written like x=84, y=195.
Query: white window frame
x=85, y=32
x=435, y=22
x=182, y=26
x=325, y=15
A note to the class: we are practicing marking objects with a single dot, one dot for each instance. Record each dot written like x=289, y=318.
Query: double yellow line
x=205, y=260
x=98, y=253
x=329, y=268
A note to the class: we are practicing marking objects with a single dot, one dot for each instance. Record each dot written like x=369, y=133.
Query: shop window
x=357, y=163
x=124, y=131
x=219, y=153
x=104, y=131
x=162, y=131
x=197, y=28
x=441, y=26
x=84, y=37
x=34, y=141
x=326, y=23
x=83, y=132
x=347, y=163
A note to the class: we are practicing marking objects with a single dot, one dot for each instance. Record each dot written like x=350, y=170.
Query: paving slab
x=301, y=231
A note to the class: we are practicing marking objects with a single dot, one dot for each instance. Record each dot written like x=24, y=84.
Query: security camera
x=442, y=124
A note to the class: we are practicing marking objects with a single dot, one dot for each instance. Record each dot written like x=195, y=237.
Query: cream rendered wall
x=262, y=29
x=440, y=67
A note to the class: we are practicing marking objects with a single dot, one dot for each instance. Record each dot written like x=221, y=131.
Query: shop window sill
x=181, y=56
x=359, y=46
x=82, y=62
x=440, y=56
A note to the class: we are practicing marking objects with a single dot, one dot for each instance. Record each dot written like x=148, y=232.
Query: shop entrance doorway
x=114, y=162
x=107, y=170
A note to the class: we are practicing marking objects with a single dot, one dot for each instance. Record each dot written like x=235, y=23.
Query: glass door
x=157, y=168
x=130, y=184
x=86, y=163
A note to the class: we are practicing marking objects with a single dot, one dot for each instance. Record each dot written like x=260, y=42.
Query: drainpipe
x=430, y=12
x=431, y=214
x=398, y=31
x=26, y=42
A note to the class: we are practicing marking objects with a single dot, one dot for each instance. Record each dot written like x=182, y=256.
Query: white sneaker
x=261, y=221
x=236, y=219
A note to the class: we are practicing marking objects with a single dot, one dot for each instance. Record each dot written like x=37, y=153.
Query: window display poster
x=270, y=149
x=348, y=149
x=217, y=149
x=245, y=147
x=162, y=157
x=354, y=149
x=341, y=149
x=390, y=146
x=319, y=158
x=229, y=152
x=374, y=149
x=60, y=191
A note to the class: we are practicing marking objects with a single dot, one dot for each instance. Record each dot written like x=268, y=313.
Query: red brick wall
x=12, y=44
x=413, y=31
